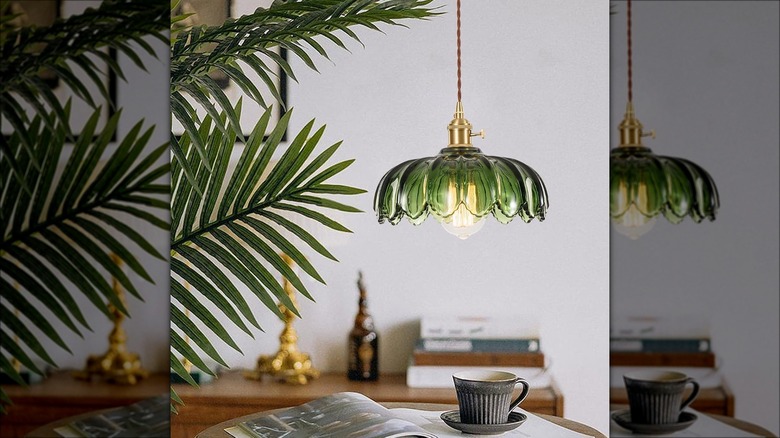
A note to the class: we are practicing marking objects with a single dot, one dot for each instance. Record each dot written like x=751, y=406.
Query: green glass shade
x=460, y=181
x=645, y=184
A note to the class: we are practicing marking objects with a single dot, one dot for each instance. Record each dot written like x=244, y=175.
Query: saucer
x=623, y=419
x=452, y=418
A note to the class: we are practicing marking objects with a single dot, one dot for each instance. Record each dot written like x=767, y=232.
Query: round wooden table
x=218, y=431
x=731, y=421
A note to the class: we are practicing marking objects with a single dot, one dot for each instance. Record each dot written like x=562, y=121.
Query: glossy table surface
x=218, y=430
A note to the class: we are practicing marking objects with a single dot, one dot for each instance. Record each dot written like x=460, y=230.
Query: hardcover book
x=463, y=327
x=509, y=358
x=659, y=345
x=670, y=359
x=349, y=414
x=651, y=327
x=479, y=345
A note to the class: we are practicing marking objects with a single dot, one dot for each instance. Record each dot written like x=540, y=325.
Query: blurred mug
x=485, y=397
x=655, y=397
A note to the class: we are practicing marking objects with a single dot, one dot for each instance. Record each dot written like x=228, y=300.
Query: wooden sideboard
x=233, y=396
x=60, y=395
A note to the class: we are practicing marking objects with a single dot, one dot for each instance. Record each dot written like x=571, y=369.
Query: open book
x=349, y=414
x=147, y=418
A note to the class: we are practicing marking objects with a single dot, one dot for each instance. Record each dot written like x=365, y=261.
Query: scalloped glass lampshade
x=644, y=185
x=460, y=187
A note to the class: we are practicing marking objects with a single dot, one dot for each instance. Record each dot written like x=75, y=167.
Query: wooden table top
x=731, y=421
x=218, y=431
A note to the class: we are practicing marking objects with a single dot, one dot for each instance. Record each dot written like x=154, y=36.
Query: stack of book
x=451, y=344
x=655, y=341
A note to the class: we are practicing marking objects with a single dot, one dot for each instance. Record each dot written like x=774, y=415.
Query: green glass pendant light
x=460, y=186
x=644, y=185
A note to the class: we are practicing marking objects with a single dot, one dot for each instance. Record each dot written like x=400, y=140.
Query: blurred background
x=142, y=96
x=706, y=80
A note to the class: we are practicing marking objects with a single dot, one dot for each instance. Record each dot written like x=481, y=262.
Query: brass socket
x=631, y=130
x=460, y=129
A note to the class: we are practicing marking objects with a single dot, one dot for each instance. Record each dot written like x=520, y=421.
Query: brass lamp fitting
x=117, y=365
x=630, y=128
x=460, y=129
x=289, y=364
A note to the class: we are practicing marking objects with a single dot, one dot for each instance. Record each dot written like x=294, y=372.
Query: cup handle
x=523, y=393
x=693, y=394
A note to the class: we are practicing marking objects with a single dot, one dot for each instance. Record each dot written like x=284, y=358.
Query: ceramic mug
x=655, y=397
x=485, y=397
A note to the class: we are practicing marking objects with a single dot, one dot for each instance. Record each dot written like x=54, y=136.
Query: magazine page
x=533, y=427
x=147, y=418
x=342, y=415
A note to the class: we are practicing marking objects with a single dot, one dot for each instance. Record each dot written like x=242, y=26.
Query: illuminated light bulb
x=633, y=224
x=462, y=223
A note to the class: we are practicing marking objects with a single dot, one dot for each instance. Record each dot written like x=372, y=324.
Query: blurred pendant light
x=644, y=185
x=460, y=186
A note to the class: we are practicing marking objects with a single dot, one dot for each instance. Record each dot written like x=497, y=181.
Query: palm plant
x=228, y=220
x=69, y=47
x=65, y=197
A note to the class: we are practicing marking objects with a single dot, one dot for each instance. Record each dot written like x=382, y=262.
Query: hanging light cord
x=458, y=36
x=628, y=31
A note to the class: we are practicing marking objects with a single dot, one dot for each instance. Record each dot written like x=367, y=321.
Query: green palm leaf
x=227, y=217
x=70, y=48
x=250, y=44
x=57, y=234
x=233, y=228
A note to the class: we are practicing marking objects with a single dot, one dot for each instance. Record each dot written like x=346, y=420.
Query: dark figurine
x=363, y=345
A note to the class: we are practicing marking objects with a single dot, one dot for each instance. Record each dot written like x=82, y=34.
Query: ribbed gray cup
x=655, y=397
x=485, y=397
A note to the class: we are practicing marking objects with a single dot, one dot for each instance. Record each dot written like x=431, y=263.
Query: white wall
x=142, y=96
x=706, y=79
x=535, y=77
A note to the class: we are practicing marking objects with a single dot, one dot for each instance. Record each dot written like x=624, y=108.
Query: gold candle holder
x=289, y=364
x=117, y=365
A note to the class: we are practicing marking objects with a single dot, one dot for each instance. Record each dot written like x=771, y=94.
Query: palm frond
x=116, y=24
x=252, y=42
x=227, y=218
x=57, y=234
x=228, y=238
x=71, y=48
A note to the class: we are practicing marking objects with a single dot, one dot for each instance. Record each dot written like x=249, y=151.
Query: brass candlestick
x=289, y=364
x=117, y=365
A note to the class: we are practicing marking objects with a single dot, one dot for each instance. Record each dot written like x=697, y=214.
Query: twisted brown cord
x=458, y=34
x=628, y=30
